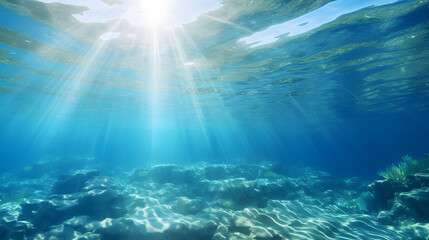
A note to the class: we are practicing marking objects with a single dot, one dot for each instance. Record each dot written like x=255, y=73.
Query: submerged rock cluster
x=210, y=201
x=401, y=202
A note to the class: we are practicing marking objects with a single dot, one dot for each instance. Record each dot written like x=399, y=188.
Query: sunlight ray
x=228, y=23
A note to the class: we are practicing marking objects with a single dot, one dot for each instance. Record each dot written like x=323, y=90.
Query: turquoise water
x=335, y=86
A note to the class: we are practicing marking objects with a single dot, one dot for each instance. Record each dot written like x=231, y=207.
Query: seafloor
x=205, y=201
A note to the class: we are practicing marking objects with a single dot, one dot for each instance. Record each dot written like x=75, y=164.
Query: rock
x=159, y=228
x=122, y=228
x=16, y=235
x=215, y=172
x=295, y=195
x=271, y=188
x=221, y=233
x=239, y=190
x=10, y=226
x=262, y=233
x=66, y=232
x=137, y=202
x=383, y=191
x=385, y=217
x=417, y=203
x=188, y=206
x=8, y=219
x=397, y=213
x=52, y=212
x=74, y=182
x=57, y=232
x=87, y=236
x=291, y=185
x=103, y=203
x=96, y=203
x=329, y=197
x=28, y=208
x=328, y=194
x=99, y=182
x=17, y=231
x=193, y=229
x=3, y=231
x=169, y=192
x=367, y=202
x=80, y=223
x=422, y=179
x=171, y=174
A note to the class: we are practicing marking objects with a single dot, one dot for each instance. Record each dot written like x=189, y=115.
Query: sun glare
x=154, y=11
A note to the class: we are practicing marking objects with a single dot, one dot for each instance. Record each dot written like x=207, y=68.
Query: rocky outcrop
x=417, y=203
x=218, y=202
x=73, y=182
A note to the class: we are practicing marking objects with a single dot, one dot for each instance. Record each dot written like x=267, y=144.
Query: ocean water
x=234, y=119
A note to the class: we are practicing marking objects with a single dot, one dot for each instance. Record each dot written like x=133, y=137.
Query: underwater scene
x=214, y=119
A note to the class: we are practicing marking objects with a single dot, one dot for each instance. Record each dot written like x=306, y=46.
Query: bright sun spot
x=154, y=11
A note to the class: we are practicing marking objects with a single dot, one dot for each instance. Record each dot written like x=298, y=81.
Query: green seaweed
x=27, y=168
x=228, y=204
x=400, y=172
x=270, y=174
x=142, y=173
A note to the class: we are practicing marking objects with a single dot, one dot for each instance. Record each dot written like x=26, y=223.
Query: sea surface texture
x=214, y=119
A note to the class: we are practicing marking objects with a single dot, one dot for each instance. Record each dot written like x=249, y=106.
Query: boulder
x=385, y=217
x=417, y=203
x=3, y=231
x=272, y=188
x=81, y=224
x=28, y=208
x=329, y=197
x=215, y=172
x=103, y=203
x=422, y=179
x=66, y=232
x=52, y=212
x=122, y=228
x=186, y=206
x=178, y=228
x=367, y=202
x=239, y=190
x=74, y=182
x=383, y=191
x=170, y=173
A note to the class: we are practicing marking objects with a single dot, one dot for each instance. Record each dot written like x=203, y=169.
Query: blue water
x=348, y=93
